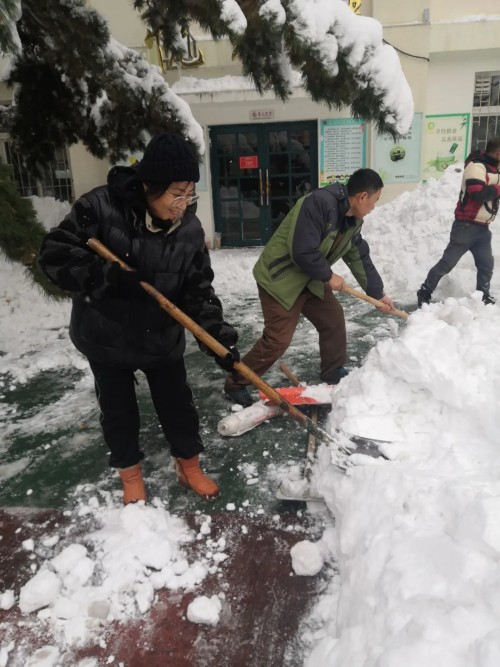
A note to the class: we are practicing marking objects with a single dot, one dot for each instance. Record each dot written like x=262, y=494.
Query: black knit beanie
x=168, y=158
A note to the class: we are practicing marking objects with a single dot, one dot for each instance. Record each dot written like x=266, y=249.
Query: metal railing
x=485, y=108
x=55, y=180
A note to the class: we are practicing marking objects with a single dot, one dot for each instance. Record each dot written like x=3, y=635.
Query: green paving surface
x=43, y=469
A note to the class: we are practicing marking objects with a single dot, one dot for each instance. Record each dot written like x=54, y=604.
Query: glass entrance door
x=258, y=173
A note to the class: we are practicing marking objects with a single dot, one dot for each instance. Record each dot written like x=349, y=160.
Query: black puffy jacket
x=119, y=329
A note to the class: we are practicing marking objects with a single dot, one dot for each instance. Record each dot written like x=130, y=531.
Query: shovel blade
x=295, y=395
x=298, y=490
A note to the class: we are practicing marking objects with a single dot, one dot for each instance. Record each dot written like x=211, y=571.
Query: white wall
x=451, y=79
x=124, y=23
x=390, y=12
x=87, y=171
x=449, y=10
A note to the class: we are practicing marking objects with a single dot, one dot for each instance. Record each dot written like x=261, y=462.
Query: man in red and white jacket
x=476, y=209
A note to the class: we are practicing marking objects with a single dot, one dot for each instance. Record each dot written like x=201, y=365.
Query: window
x=486, y=109
x=54, y=181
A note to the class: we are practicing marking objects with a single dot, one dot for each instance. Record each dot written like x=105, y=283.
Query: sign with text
x=262, y=114
x=249, y=161
x=343, y=149
x=399, y=161
x=445, y=142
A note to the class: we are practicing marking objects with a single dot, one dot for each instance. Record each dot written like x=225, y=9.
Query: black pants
x=120, y=421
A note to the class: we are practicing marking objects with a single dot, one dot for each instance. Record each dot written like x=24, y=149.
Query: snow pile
x=50, y=212
x=418, y=537
x=28, y=317
x=441, y=375
x=408, y=235
x=113, y=572
x=320, y=393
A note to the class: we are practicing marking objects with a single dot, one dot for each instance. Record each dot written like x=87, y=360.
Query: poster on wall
x=343, y=149
x=445, y=142
x=398, y=161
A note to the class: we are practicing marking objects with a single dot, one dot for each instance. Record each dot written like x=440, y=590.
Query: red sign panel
x=249, y=161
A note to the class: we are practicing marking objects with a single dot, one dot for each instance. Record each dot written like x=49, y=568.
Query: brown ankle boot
x=133, y=484
x=191, y=475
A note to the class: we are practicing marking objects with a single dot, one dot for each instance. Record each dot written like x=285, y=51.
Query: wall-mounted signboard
x=398, y=161
x=445, y=142
x=342, y=150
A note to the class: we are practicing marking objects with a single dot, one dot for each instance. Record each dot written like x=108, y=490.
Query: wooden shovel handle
x=311, y=447
x=311, y=441
x=289, y=375
x=374, y=302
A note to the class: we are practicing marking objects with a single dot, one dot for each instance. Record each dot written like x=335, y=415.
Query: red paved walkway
x=259, y=621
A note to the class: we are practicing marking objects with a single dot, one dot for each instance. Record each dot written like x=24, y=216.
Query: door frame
x=262, y=130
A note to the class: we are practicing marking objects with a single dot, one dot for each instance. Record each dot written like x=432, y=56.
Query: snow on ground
x=113, y=573
x=416, y=538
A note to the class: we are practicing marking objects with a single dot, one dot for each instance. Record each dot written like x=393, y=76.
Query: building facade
x=262, y=154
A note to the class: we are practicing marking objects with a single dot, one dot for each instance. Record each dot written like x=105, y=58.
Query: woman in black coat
x=146, y=216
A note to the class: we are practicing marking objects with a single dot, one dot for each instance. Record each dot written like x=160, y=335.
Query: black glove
x=126, y=283
x=227, y=362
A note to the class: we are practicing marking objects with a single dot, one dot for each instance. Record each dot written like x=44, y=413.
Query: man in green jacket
x=294, y=277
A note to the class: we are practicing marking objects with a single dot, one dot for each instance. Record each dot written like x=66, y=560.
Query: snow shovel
x=301, y=491
x=342, y=453
x=249, y=418
x=374, y=302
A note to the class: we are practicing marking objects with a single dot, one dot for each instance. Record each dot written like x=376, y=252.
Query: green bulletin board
x=445, y=142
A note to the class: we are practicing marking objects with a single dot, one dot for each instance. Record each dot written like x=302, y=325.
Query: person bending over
x=294, y=276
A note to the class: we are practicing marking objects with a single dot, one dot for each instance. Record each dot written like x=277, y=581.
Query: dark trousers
x=172, y=399
x=326, y=315
x=465, y=236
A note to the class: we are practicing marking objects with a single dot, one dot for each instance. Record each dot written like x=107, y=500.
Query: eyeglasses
x=177, y=202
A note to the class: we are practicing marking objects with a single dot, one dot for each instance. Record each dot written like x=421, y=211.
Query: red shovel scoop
x=295, y=395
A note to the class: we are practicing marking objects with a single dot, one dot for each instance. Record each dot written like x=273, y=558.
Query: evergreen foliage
x=268, y=46
x=72, y=82
x=21, y=233
x=9, y=14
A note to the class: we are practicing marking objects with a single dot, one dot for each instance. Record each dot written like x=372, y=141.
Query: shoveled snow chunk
x=307, y=559
x=205, y=610
x=7, y=599
x=68, y=558
x=48, y=656
x=4, y=653
x=39, y=592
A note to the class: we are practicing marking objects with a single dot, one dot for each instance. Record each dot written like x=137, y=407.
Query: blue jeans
x=465, y=236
